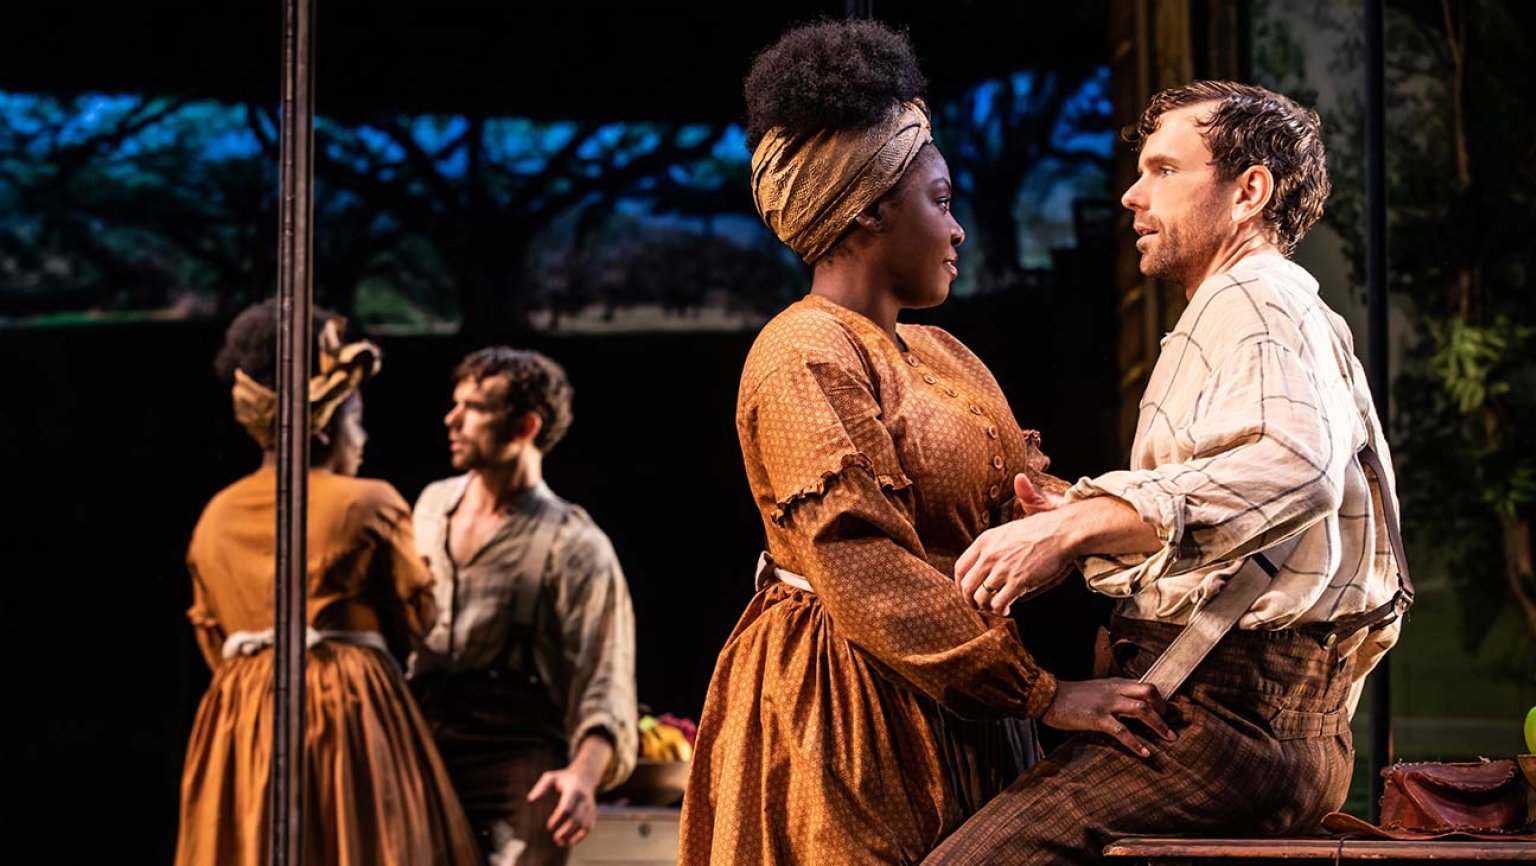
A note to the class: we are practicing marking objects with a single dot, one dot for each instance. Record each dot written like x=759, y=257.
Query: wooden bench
x=1168, y=850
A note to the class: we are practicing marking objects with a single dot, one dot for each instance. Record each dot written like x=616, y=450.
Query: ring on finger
x=990, y=588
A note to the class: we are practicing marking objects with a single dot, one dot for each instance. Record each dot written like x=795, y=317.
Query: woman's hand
x=1098, y=705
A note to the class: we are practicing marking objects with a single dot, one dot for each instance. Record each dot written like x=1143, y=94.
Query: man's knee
x=1049, y=815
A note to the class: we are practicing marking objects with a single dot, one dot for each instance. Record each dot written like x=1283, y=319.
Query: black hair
x=250, y=343
x=830, y=75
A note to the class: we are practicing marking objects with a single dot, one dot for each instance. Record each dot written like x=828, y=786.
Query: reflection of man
x=1247, y=441
x=528, y=675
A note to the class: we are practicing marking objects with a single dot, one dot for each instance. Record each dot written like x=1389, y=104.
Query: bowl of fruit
x=661, y=772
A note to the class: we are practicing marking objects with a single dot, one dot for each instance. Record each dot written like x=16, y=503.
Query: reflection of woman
x=876, y=453
x=376, y=791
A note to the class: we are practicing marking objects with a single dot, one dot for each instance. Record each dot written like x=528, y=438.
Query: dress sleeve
x=205, y=624
x=847, y=507
x=597, y=623
x=398, y=567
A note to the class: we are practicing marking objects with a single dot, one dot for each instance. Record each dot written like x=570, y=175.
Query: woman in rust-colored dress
x=376, y=791
x=863, y=707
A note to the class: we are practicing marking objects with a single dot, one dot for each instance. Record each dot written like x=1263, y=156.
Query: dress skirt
x=375, y=791
x=829, y=761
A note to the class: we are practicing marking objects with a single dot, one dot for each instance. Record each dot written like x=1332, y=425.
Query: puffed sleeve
x=401, y=579
x=205, y=623
x=839, y=490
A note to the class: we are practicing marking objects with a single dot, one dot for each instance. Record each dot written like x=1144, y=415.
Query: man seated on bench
x=1248, y=478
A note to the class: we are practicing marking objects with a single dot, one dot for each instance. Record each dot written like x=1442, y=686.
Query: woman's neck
x=269, y=461
x=849, y=282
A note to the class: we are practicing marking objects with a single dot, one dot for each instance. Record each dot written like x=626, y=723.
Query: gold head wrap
x=343, y=368
x=808, y=188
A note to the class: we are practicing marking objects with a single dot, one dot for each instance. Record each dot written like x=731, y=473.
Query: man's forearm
x=1106, y=525
x=593, y=755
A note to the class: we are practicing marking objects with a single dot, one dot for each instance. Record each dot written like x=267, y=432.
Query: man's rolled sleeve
x=598, y=623
x=1262, y=465
x=1161, y=508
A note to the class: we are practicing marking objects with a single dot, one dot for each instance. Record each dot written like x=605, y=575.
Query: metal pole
x=294, y=340
x=1376, y=327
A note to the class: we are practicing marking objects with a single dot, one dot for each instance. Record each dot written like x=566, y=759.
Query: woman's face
x=350, y=437
x=919, y=245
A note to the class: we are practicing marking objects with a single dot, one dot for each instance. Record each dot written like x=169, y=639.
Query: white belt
x=249, y=643
x=767, y=572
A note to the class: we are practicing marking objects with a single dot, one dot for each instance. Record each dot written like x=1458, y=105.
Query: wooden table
x=1166, y=850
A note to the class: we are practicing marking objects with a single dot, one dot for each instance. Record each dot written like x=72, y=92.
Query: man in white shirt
x=1248, y=441
x=528, y=676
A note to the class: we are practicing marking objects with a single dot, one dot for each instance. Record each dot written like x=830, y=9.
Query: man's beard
x=466, y=460
x=1180, y=256
x=1165, y=260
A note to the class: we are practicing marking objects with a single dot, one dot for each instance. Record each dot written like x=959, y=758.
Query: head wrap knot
x=808, y=188
x=343, y=369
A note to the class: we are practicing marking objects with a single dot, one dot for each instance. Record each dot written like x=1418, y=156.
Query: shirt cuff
x=1123, y=575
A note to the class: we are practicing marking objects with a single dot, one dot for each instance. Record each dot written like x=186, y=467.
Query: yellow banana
x=677, y=744
x=653, y=747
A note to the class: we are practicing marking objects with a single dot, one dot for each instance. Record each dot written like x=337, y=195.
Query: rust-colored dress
x=873, y=465
x=376, y=792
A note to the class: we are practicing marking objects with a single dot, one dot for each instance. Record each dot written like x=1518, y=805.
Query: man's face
x=478, y=429
x=1182, y=212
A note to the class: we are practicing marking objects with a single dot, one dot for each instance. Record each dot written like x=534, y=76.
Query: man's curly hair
x=534, y=384
x=830, y=75
x=1251, y=126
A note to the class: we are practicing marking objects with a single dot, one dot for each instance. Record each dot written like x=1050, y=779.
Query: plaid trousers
x=1263, y=749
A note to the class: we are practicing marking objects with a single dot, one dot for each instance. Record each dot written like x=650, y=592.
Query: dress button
x=991, y=432
x=997, y=462
x=912, y=359
x=986, y=519
x=929, y=379
x=951, y=391
x=975, y=410
x=992, y=494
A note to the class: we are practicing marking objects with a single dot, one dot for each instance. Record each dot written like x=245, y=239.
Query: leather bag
x=1483, y=799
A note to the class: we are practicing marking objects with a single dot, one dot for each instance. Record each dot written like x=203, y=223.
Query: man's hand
x=576, y=810
x=1009, y=561
x=1098, y=705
